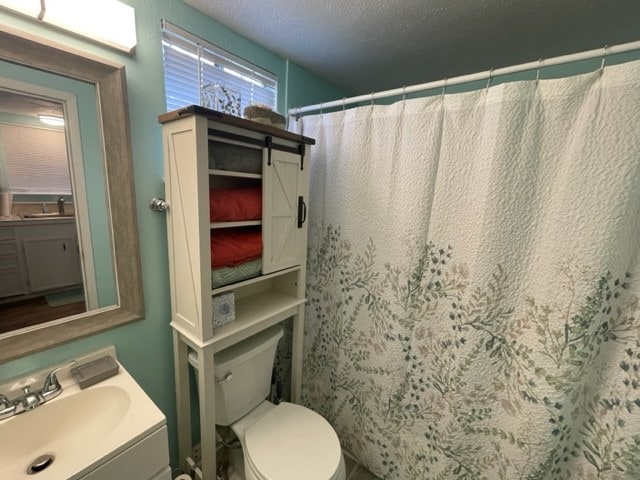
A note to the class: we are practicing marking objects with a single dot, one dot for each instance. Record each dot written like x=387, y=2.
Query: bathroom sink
x=78, y=430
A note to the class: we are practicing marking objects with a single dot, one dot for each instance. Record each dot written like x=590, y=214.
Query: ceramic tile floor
x=357, y=472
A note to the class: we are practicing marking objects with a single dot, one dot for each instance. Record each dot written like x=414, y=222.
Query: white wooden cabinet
x=38, y=256
x=12, y=281
x=206, y=151
x=148, y=459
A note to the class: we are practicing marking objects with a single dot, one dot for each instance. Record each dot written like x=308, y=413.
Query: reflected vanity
x=95, y=241
x=47, y=266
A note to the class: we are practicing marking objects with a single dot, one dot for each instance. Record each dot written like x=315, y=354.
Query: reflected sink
x=80, y=429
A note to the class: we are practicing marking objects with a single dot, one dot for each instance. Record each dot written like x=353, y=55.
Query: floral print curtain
x=473, y=281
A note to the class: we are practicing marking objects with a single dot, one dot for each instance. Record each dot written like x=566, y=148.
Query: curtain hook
x=372, y=99
x=344, y=99
x=489, y=79
x=538, y=70
x=321, y=107
x=404, y=93
x=604, y=58
x=444, y=87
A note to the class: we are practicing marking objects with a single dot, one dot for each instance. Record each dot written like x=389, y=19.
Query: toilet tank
x=243, y=374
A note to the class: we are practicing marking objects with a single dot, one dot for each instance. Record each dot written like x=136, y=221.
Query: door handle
x=302, y=211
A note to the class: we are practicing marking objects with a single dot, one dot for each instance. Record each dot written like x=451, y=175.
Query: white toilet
x=279, y=442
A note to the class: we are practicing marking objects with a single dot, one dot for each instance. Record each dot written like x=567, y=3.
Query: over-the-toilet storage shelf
x=194, y=139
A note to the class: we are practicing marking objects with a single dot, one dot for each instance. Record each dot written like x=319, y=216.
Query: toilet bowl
x=287, y=442
x=279, y=442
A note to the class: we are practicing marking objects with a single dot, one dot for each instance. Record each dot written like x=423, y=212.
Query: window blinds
x=192, y=64
x=35, y=159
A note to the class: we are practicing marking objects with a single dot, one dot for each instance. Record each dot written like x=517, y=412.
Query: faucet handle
x=4, y=401
x=51, y=382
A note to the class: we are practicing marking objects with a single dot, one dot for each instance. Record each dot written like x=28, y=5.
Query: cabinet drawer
x=7, y=233
x=10, y=282
x=8, y=247
x=8, y=261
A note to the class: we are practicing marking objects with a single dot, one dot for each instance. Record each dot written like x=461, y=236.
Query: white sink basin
x=80, y=429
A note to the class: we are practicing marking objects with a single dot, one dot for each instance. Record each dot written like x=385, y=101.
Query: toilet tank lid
x=242, y=351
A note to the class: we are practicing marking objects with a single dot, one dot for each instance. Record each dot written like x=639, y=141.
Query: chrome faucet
x=61, y=206
x=52, y=388
x=30, y=400
x=7, y=407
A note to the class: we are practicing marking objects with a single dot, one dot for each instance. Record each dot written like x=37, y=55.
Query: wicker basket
x=265, y=115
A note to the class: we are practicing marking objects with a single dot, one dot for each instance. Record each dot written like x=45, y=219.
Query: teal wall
x=145, y=347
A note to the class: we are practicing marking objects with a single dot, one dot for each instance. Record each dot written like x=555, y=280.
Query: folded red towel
x=235, y=204
x=235, y=246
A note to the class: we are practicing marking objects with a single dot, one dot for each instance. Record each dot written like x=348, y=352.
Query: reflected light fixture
x=51, y=120
x=109, y=22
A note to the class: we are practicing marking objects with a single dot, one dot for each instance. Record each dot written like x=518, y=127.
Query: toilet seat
x=291, y=442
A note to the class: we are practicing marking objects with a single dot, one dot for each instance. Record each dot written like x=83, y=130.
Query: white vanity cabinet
x=51, y=254
x=39, y=256
x=12, y=281
x=210, y=153
x=148, y=459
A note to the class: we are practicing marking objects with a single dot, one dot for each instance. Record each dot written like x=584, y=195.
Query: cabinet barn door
x=280, y=233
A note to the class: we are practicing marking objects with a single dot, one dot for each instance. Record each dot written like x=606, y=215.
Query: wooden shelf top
x=234, y=121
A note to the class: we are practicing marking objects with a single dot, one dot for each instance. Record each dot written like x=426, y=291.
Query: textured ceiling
x=374, y=45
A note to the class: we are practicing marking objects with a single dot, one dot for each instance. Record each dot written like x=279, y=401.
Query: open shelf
x=253, y=314
x=245, y=223
x=231, y=173
x=250, y=281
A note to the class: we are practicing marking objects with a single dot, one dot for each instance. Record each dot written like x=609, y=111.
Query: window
x=198, y=73
x=35, y=159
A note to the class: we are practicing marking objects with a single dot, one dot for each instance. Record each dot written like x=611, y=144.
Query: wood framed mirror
x=113, y=121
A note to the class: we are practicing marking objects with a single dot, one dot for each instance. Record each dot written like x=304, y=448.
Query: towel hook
x=604, y=58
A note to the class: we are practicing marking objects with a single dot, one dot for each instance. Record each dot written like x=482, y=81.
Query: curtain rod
x=573, y=57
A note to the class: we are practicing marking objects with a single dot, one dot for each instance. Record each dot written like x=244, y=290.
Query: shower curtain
x=473, y=281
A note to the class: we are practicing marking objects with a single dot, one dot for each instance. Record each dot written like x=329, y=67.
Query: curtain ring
x=604, y=58
x=489, y=79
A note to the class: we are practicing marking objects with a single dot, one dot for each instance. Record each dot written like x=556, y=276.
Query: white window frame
x=198, y=72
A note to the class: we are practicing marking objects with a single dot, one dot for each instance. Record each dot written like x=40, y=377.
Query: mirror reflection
x=93, y=94
x=48, y=269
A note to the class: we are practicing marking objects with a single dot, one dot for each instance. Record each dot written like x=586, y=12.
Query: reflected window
x=35, y=159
